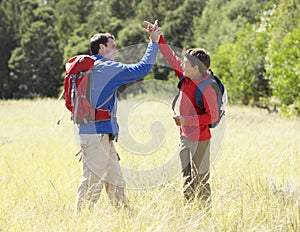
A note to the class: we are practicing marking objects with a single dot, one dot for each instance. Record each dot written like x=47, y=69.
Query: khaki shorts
x=100, y=168
x=100, y=156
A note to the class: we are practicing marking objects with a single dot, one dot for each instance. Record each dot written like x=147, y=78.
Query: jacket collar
x=98, y=57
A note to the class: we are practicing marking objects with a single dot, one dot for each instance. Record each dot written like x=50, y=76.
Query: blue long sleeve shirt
x=107, y=77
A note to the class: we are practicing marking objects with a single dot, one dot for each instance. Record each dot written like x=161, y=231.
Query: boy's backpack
x=77, y=91
x=221, y=93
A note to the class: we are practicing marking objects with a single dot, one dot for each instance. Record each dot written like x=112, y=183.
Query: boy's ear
x=196, y=67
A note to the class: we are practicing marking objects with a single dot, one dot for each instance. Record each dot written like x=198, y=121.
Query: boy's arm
x=171, y=57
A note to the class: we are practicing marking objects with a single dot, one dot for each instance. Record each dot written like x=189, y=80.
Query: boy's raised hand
x=153, y=30
x=150, y=26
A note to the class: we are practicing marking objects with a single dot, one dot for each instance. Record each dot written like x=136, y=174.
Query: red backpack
x=77, y=91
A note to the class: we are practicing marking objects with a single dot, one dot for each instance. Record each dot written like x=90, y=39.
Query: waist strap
x=102, y=115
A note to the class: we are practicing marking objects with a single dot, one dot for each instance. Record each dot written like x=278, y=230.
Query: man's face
x=110, y=50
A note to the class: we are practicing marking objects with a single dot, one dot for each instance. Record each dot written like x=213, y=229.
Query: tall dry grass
x=255, y=177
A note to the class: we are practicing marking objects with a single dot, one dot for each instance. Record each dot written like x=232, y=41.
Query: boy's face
x=189, y=70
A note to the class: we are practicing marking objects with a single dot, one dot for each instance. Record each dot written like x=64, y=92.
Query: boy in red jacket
x=193, y=122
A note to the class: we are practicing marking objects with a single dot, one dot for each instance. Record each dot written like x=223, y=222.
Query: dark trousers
x=195, y=162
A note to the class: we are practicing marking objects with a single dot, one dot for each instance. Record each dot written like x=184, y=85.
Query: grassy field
x=39, y=173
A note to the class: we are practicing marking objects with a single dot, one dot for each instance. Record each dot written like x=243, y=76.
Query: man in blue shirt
x=100, y=160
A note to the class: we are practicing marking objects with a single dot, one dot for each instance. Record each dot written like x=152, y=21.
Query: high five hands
x=153, y=30
x=179, y=120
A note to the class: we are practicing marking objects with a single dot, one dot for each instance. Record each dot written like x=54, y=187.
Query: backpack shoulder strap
x=111, y=96
x=177, y=95
x=180, y=82
x=107, y=100
x=221, y=86
x=98, y=62
x=199, y=92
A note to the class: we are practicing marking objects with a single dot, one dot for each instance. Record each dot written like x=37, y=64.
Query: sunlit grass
x=39, y=173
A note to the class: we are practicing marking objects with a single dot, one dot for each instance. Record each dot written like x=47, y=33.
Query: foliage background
x=254, y=44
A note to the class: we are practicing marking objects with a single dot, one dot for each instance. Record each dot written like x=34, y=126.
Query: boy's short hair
x=97, y=39
x=198, y=56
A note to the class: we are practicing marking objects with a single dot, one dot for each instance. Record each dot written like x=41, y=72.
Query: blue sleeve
x=110, y=75
x=132, y=72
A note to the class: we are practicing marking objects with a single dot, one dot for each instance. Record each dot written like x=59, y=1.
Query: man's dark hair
x=198, y=56
x=98, y=39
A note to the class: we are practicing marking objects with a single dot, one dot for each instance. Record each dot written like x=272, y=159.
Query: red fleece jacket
x=196, y=124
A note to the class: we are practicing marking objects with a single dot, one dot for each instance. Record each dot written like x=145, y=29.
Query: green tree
x=10, y=35
x=12, y=10
x=122, y=9
x=254, y=44
x=221, y=63
x=179, y=23
x=242, y=64
x=5, y=44
x=283, y=56
x=36, y=65
x=249, y=65
x=155, y=9
x=221, y=20
x=71, y=14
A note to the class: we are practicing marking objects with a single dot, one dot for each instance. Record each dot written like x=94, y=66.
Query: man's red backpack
x=77, y=91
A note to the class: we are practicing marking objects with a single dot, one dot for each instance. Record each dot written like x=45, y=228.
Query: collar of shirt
x=207, y=75
x=98, y=57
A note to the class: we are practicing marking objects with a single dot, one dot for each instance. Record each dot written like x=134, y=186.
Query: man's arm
x=116, y=74
x=128, y=73
x=137, y=71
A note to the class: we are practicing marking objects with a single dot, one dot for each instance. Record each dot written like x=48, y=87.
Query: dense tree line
x=254, y=44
